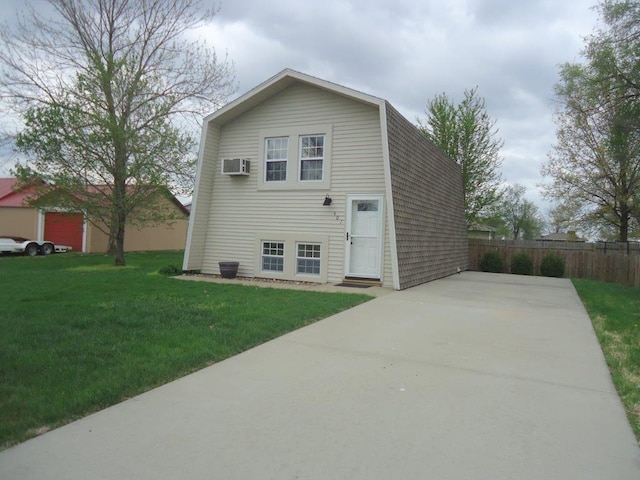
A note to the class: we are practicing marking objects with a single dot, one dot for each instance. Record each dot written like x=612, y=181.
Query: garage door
x=64, y=229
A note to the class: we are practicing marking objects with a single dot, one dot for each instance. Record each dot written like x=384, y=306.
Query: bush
x=170, y=270
x=491, y=262
x=521, y=264
x=552, y=265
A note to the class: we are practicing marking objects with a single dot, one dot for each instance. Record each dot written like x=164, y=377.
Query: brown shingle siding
x=431, y=234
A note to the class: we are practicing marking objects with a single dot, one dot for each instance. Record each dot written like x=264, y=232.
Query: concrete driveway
x=476, y=376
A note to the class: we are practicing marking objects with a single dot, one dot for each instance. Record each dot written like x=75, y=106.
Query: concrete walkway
x=476, y=376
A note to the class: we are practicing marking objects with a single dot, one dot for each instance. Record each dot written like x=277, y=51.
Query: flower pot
x=228, y=269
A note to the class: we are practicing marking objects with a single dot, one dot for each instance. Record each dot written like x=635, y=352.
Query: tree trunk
x=119, y=212
x=623, y=234
x=119, y=243
x=113, y=234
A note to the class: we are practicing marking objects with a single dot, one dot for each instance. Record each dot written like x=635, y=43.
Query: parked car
x=9, y=244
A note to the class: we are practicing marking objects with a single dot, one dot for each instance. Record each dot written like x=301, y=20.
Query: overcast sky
x=408, y=51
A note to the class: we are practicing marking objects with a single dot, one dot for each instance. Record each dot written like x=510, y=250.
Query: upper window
x=311, y=157
x=295, y=157
x=276, y=152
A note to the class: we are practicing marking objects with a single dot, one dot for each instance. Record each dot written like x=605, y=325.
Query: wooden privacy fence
x=605, y=262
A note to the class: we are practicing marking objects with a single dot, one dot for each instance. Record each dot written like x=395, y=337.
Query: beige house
x=71, y=228
x=302, y=179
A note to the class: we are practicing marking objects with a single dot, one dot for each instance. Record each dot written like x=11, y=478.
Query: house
x=302, y=179
x=479, y=230
x=570, y=236
x=64, y=227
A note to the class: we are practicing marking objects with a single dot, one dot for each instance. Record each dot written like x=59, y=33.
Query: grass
x=78, y=334
x=615, y=314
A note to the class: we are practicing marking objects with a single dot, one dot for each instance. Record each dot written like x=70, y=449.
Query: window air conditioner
x=236, y=166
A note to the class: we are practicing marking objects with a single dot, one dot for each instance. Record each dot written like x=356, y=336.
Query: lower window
x=308, y=258
x=273, y=256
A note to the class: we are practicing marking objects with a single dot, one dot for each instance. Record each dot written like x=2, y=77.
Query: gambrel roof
x=278, y=83
x=423, y=187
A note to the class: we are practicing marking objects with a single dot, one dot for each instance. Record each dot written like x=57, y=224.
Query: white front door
x=364, y=236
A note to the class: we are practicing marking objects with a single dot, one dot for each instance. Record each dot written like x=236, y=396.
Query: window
x=276, y=152
x=308, y=258
x=366, y=206
x=311, y=157
x=273, y=256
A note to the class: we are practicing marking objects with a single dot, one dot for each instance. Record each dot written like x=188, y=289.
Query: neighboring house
x=330, y=184
x=561, y=237
x=71, y=228
x=478, y=230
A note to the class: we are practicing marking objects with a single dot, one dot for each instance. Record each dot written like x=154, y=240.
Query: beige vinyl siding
x=239, y=210
x=169, y=235
x=19, y=222
x=201, y=205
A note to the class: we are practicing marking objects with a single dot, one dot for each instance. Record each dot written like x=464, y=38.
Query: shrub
x=170, y=270
x=491, y=262
x=552, y=265
x=521, y=264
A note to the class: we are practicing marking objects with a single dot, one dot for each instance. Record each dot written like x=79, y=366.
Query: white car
x=30, y=247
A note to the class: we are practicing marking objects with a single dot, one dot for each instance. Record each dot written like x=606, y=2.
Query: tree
x=561, y=218
x=467, y=134
x=521, y=215
x=595, y=165
x=109, y=91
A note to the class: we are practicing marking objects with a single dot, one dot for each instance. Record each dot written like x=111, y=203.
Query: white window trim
x=300, y=159
x=290, y=240
x=318, y=259
x=283, y=256
x=293, y=167
x=285, y=160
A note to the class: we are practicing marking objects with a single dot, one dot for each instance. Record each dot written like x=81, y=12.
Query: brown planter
x=228, y=269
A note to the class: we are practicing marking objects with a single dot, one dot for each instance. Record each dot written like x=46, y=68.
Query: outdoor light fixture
x=327, y=201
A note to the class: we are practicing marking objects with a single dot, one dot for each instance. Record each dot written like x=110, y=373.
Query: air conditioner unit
x=236, y=166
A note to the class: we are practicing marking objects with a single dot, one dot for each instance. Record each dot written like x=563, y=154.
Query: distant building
x=66, y=227
x=570, y=236
x=478, y=230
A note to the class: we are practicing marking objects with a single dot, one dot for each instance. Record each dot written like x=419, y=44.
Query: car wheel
x=31, y=249
x=47, y=248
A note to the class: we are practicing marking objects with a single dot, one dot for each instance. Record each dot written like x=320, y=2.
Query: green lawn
x=78, y=334
x=615, y=313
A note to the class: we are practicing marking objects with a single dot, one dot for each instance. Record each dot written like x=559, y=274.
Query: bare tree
x=109, y=91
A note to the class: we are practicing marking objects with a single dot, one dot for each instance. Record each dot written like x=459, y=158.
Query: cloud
x=408, y=51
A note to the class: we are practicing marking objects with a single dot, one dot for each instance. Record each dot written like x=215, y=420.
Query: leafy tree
x=496, y=221
x=595, y=165
x=520, y=215
x=109, y=92
x=561, y=218
x=467, y=134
